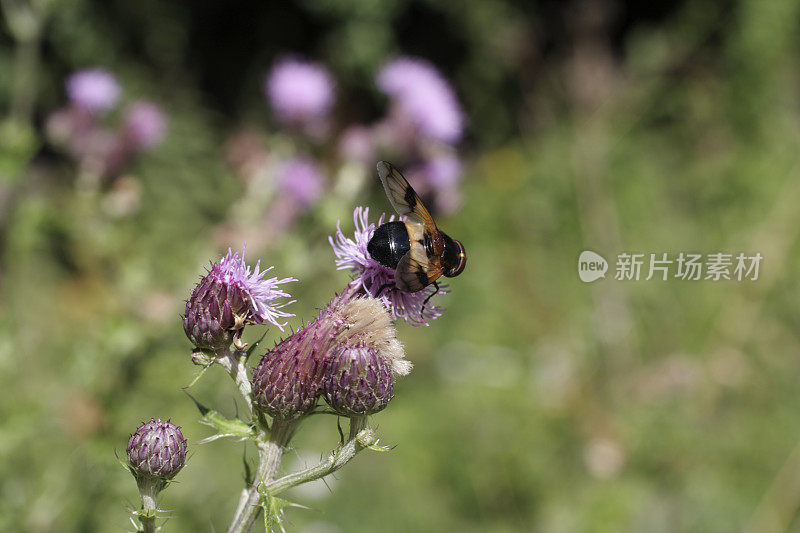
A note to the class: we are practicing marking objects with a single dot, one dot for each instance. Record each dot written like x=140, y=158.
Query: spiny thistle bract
x=157, y=449
x=289, y=378
x=229, y=297
x=286, y=381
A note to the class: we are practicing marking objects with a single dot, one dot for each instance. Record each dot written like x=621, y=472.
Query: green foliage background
x=537, y=402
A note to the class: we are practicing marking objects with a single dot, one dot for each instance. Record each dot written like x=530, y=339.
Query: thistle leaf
x=200, y=407
x=225, y=426
x=379, y=448
x=198, y=376
x=274, y=510
x=248, y=472
x=253, y=347
x=228, y=427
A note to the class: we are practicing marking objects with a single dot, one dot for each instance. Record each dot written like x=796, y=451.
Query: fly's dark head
x=454, y=257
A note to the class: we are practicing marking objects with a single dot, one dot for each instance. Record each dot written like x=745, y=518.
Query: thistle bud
x=227, y=298
x=286, y=381
x=357, y=381
x=157, y=449
x=289, y=378
x=209, y=319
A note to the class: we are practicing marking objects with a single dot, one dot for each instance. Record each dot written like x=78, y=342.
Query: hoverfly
x=415, y=248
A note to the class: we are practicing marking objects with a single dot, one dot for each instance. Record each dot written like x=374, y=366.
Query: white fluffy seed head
x=367, y=321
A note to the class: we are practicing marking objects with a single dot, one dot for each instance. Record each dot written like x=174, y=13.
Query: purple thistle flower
x=289, y=378
x=259, y=292
x=145, y=125
x=93, y=89
x=299, y=91
x=357, y=381
x=423, y=96
x=230, y=296
x=371, y=276
x=157, y=449
x=302, y=179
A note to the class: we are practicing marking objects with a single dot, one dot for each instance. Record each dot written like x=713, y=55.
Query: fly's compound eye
x=462, y=261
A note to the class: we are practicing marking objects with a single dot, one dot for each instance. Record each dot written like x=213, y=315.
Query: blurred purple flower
x=356, y=144
x=145, y=125
x=93, y=89
x=443, y=171
x=299, y=91
x=422, y=93
x=448, y=199
x=302, y=179
x=352, y=254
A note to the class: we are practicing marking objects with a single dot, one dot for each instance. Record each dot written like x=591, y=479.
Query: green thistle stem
x=270, y=452
x=336, y=460
x=233, y=363
x=149, y=487
x=357, y=423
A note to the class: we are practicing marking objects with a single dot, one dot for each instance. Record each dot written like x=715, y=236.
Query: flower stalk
x=233, y=363
x=357, y=424
x=270, y=451
x=365, y=438
x=149, y=488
